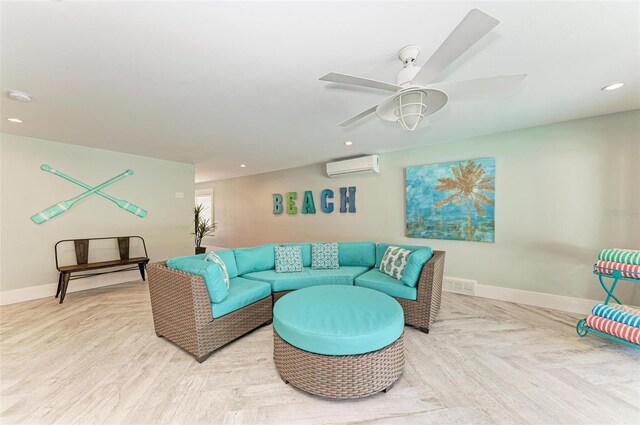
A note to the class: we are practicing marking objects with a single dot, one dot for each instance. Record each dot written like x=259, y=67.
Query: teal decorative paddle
x=63, y=206
x=125, y=205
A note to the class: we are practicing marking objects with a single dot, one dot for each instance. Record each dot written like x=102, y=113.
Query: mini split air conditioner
x=349, y=167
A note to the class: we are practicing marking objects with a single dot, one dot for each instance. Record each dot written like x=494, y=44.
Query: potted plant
x=202, y=227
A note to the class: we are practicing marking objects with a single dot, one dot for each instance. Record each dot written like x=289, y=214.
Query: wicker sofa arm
x=430, y=284
x=180, y=304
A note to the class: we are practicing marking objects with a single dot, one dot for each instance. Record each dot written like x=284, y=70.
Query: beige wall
x=554, y=184
x=27, y=249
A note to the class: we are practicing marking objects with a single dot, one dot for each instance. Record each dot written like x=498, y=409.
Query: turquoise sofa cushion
x=242, y=292
x=357, y=253
x=306, y=252
x=375, y=279
x=338, y=320
x=309, y=277
x=382, y=247
x=226, y=255
x=255, y=259
x=210, y=271
x=415, y=263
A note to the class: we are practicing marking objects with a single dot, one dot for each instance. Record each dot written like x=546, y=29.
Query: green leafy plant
x=202, y=226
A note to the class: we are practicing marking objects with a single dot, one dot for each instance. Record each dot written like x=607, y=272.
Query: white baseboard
x=537, y=299
x=49, y=290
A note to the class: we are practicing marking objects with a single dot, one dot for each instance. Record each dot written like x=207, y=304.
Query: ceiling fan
x=415, y=94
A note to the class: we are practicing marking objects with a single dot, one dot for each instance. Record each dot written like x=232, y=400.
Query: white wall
x=27, y=260
x=554, y=185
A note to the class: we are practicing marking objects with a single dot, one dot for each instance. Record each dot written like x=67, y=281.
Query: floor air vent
x=459, y=285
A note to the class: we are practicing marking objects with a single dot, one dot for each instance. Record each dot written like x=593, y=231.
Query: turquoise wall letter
x=277, y=204
x=291, y=202
x=327, y=207
x=308, y=207
x=348, y=199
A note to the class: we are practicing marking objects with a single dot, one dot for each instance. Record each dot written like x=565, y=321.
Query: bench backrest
x=81, y=247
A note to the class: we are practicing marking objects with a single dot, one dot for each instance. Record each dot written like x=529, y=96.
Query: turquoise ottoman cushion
x=210, y=272
x=415, y=263
x=255, y=259
x=338, y=320
x=306, y=252
x=242, y=292
x=357, y=254
x=382, y=247
x=379, y=281
x=308, y=277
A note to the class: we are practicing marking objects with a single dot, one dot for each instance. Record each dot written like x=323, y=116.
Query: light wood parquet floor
x=96, y=360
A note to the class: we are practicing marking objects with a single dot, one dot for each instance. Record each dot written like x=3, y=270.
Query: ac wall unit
x=363, y=165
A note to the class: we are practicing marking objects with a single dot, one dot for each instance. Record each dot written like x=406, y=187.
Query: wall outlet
x=459, y=285
x=179, y=195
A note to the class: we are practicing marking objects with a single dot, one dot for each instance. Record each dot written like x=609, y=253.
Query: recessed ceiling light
x=348, y=143
x=18, y=95
x=243, y=166
x=16, y=120
x=612, y=86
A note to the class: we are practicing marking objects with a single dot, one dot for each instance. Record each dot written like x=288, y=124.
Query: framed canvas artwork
x=452, y=200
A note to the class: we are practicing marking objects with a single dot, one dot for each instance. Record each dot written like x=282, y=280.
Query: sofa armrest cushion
x=415, y=263
x=255, y=259
x=227, y=257
x=211, y=273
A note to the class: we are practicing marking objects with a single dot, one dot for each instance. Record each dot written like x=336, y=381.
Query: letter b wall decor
x=347, y=202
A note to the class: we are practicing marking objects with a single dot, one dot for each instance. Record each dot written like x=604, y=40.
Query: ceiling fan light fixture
x=410, y=108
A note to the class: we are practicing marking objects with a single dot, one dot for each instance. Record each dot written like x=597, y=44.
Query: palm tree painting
x=453, y=200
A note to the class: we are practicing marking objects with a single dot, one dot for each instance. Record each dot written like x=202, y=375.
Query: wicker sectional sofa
x=184, y=314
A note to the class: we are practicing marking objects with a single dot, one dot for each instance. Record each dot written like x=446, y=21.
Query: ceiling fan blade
x=502, y=82
x=357, y=117
x=472, y=28
x=336, y=77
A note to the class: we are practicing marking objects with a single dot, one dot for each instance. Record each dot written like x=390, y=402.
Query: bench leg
x=65, y=284
x=59, y=285
x=141, y=267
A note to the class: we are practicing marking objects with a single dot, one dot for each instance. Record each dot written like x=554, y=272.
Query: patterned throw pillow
x=324, y=256
x=288, y=258
x=213, y=257
x=394, y=261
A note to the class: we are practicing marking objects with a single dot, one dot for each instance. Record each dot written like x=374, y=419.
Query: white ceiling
x=224, y=84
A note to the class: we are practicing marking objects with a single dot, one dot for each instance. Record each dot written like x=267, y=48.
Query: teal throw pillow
x=394, y=261
x=288, y=258
x=213, y=257
x=413, y=269
x=324, y=256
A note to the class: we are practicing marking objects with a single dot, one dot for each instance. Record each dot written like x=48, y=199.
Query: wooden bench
x=83, y=265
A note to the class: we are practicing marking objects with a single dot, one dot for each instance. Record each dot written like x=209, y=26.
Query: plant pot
x=201, y=249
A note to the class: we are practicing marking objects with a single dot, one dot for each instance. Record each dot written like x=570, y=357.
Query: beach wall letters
x=306, y=203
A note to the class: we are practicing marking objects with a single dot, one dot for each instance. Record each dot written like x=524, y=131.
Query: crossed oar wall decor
x=63, y=206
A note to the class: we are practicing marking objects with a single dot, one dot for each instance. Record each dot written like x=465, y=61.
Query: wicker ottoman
x=338, y=341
